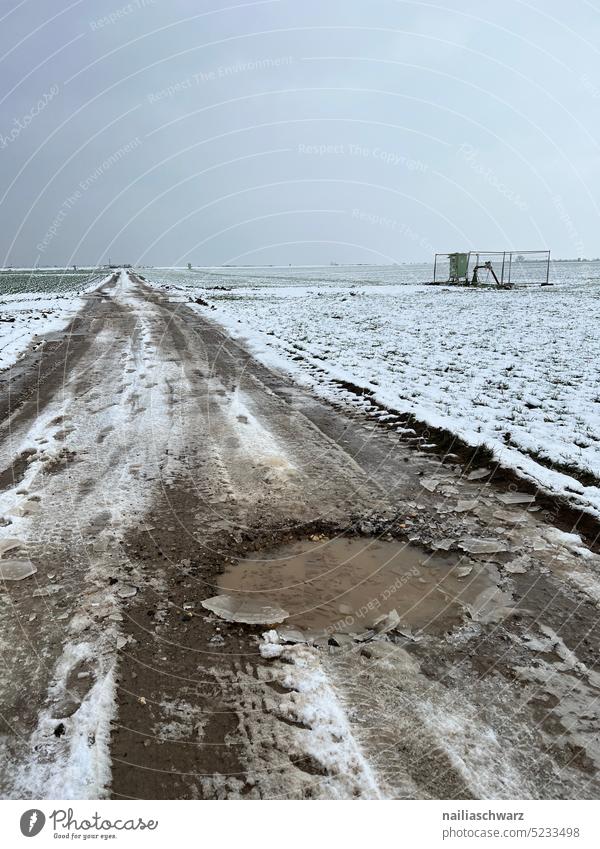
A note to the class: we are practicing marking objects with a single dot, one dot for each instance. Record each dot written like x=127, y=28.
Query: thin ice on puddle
x=478, y=474
x=9, y=544
x=16, y=570
x=513, y=518
x=387, y=622
x=482, y=546
x=127, y=591
x=251, y=611
x=465, y=506
x=517, y=566
x=292, y=635
x=516, y=498
x=491, y=605
x=443, y=544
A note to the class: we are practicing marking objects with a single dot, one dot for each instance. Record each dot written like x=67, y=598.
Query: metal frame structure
x=502, y=273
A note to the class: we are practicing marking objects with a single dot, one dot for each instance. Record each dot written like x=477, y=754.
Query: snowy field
x=514, y=370
x=36, y=302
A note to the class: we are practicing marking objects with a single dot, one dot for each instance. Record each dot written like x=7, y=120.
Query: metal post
x=502, y=272
x=548, y=269
x=434, y=266
x=509, y=266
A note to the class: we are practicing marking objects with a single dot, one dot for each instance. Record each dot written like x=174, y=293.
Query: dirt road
x=143, y=453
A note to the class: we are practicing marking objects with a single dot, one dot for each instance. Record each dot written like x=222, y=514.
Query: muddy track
x=156, y=452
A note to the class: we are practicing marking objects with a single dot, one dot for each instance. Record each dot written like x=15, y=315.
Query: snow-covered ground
x=24, y=316
x=514, y=370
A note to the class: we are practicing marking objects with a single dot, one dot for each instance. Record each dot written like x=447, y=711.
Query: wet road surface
x=143, y=454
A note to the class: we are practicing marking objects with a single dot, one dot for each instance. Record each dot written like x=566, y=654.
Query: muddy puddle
x=347, y=584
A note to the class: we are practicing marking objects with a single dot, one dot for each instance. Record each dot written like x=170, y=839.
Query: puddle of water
x=346, y=584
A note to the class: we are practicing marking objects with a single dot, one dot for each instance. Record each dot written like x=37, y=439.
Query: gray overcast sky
x=300, y=131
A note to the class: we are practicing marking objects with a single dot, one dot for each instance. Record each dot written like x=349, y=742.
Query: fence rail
x=495, y=268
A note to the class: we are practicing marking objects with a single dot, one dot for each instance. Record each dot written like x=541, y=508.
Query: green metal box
x=459, y=265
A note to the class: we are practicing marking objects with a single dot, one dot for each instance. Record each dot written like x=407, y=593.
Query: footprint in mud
x=87, y=486
x=80, y=681
x=15, y=473
x=61, y=435
x=134, y=400
x=56, y=463
x=25, y=508
x=100, y=521
x=96, y=410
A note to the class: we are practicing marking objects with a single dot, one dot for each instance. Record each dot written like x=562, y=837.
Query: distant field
x=34, y=302
x=54, y=280
x=334, y=276
x=272, y=276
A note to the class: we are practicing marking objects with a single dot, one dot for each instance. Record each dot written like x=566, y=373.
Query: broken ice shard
x=251, y=611
x=16, y=570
